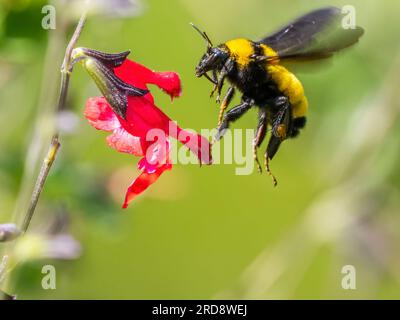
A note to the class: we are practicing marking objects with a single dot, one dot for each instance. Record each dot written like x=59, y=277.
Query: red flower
x=131, y=133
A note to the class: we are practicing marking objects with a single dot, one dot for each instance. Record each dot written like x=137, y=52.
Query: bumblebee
x=258, y=69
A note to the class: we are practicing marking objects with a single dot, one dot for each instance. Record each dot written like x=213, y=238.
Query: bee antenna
x=203, y=35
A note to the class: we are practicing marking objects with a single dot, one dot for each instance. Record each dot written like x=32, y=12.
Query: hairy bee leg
x=215, y=81
x=260, y=135
x=220, y=84
x=255, y=157
x=281, y=124
x=226, y=69
x=268, y=169
x=273, y=146
x=233, y=115
x=225, y=103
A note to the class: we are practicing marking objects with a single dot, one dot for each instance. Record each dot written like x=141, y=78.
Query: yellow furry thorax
x=241, y=50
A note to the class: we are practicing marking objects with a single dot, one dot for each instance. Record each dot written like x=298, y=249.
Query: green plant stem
x=53, y=148
x=41, y=180
x=55, y=144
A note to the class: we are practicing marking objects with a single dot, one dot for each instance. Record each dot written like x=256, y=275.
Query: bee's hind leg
x=267, y=168
x=282, y=121
x=282, y=125
x=260, y=135
x=272, y=148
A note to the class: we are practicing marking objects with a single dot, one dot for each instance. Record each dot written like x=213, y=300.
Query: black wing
x=315, y=35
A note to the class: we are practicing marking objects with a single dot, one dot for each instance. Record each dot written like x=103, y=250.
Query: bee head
x=213, y=59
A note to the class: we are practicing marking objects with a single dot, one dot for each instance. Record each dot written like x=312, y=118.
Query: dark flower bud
x=112, y=60
x=113, y=89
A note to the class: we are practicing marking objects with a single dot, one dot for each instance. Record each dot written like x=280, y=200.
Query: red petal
x=139, y=76
x=145, y=166
x=134, y=73
x=198, y=144
x=157, y=154
x=123, y=141
x=140, y=111
x=141, y=183
x=100, y=115
x=144, y=113
x=169, y=82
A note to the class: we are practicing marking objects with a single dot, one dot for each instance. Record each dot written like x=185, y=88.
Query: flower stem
x=55, y=144
x=41, y=180
x=5, y=268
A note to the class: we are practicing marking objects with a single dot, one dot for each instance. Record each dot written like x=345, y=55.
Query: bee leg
x=281, y=128
x=232, y=115
x=282, y=124
x=225, y=103
x=215, y=81
x=260, y=135
x=282, y=121
x=273, y=146
x=226, y=69
x=220, y=84
x=267, y=159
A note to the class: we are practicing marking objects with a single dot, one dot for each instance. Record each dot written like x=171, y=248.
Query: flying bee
x=257, y=69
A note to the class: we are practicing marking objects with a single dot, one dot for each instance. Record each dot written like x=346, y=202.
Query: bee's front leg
x=214, y=80
x=219, y=83
x=226, y=69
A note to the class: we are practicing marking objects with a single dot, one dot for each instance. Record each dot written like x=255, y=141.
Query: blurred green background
x=202, y=233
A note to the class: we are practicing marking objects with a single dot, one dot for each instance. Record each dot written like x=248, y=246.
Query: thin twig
x=65, y=74
x=74, y=39
x=41, y=180
x=55, y=144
